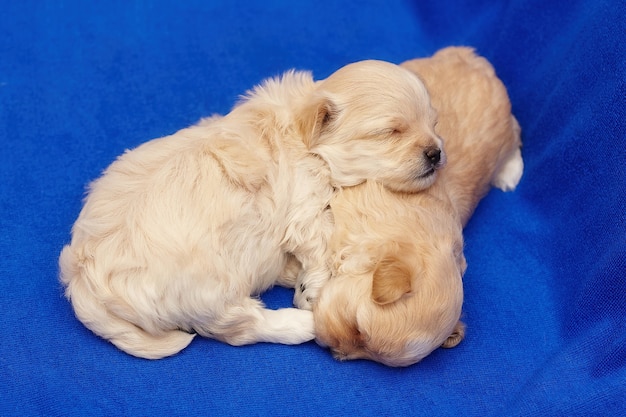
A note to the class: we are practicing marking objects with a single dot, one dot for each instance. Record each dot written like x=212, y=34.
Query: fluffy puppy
x=179, y=235
x=396, y=292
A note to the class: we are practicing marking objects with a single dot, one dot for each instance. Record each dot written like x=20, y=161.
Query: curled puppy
x=179, y=235
x=396, y=292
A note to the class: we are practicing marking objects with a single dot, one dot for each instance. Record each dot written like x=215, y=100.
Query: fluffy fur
x=179, y=235
x=396, y=293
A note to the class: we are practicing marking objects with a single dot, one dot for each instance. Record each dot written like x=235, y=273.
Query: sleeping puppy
x=179, y=235
x=396, y=291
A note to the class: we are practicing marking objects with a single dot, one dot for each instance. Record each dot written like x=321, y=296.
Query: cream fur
x=396, y=292
x=179, y=235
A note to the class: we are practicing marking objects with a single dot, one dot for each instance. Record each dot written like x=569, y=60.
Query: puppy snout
x=433, y=155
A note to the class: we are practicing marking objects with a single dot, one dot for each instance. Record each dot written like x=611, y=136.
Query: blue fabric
x=545, y=305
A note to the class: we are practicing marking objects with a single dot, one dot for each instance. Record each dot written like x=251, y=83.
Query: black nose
x=433, y=155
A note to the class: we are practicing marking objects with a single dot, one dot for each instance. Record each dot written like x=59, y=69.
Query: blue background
x=545, y=305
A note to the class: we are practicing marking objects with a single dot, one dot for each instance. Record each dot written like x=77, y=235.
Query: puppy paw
x=304, y=297
x=308, y=287
x=458, y=334
x=510, y=172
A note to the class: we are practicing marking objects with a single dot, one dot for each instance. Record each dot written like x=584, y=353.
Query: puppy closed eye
x=389, y=133
x=400, y=129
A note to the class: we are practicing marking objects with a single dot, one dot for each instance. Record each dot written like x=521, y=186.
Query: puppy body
x=396, y=293
x=180, y=234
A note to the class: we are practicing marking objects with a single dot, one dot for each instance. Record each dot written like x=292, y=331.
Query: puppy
x=179, y=235
x=396, y=292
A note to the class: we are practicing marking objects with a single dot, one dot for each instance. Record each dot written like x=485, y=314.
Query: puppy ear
x=392, y=279
x=316, y=117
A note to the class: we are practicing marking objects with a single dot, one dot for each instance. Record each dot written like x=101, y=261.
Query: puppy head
x=373, y=120
x=410, y=306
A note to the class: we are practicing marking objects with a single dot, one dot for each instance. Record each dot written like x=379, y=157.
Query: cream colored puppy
x=179, y=235
x=396, y=293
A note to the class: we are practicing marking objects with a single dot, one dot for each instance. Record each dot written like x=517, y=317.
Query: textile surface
x=545, y=291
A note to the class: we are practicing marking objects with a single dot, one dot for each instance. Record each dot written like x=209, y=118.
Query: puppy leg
x=314, y=256
x=250, y=322
x=289, y=275
x=289, y=326
x=456, y=337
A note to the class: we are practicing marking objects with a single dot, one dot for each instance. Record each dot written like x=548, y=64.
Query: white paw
x=304, y=297
x=308, y=287
x=510, y=172
x=304, y=326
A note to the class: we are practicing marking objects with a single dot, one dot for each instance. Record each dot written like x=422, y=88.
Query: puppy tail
x=98, y=316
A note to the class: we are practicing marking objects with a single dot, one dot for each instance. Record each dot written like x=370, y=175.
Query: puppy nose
x=433, y=155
